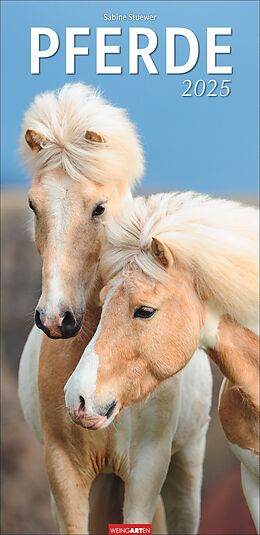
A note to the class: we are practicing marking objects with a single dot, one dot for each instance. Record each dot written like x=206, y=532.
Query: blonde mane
x=216, y=240
x=63, y=117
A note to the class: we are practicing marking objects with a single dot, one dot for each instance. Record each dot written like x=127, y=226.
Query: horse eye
x=98, y=210
x=32, y=206
x=144, y=312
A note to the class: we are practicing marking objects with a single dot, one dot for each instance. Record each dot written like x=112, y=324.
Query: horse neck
x=236, y=353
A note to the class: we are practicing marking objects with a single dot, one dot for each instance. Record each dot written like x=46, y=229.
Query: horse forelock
x=63, y=117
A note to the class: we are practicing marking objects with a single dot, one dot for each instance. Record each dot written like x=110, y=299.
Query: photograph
x=130, y=267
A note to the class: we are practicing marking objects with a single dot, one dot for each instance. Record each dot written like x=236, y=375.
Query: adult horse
x=69, y=233
x=84, y=156
x=182, y=272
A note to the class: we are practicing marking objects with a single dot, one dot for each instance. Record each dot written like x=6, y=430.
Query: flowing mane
x=216, y=240
x=63, y=117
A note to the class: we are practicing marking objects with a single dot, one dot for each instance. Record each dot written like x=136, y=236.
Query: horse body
x=181, y=273
x=168, y=430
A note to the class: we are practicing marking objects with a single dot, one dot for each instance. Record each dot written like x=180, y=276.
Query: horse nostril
x=110, y=409
x=82, y=402
x=80, y=412
x=38, y=322
x=69, y=326
x=37, y=319
x=68, y=319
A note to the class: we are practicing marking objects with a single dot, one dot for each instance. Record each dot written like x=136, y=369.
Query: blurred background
x=205, y=144
x=25, y=497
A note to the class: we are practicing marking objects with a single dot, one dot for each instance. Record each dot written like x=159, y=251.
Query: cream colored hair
x=63, y=117
x=215, y=239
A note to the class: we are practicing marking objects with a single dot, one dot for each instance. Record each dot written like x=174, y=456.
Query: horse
x=84, y=155
x=179, y=271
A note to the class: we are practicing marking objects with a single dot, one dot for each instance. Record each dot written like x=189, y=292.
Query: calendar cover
x=165, y=95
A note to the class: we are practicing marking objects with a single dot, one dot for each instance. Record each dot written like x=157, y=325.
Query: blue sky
x=201, y=143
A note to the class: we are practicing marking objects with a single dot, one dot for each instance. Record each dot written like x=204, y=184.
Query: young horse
x=184, y=273
x=68, y=209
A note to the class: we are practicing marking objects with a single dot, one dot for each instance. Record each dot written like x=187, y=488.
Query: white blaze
x=83, y=380
x=59, y=208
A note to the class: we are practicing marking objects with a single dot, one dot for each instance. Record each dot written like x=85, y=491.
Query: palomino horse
x=181, y=272
x=76, y=147
x=84, y=156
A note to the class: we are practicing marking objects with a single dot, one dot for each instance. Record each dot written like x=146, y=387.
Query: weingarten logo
x=115, y=529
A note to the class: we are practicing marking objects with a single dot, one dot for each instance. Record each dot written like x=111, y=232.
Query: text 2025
x=208, y=88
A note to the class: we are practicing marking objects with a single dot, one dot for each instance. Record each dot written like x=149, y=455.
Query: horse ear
x=35, y=140
x=93, y=136
x=161, y=253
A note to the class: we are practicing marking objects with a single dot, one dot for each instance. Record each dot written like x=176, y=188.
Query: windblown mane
x=63, y=117
x=215, y=239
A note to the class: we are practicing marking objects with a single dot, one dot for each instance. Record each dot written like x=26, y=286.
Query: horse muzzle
x=61, y=324
x=91, y=419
